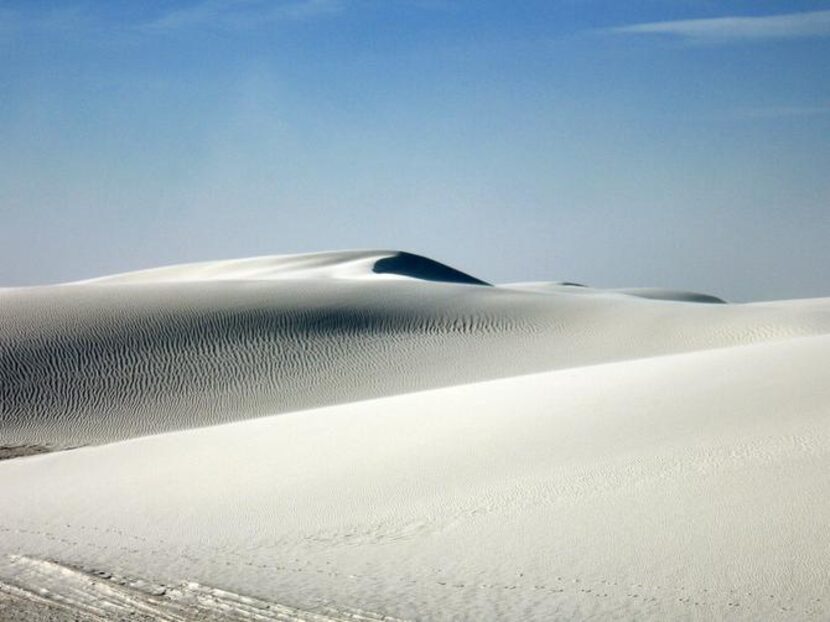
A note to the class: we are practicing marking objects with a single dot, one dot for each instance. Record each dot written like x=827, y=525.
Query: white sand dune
x=652, y=293
x=446, y=450
x=178, y=347
x=328, y=265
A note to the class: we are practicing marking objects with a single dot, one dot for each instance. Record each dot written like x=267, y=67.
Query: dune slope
x=375, y=436
x=184, y=346
x=689, y=486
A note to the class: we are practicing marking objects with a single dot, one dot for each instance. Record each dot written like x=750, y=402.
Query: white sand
x=665, y=460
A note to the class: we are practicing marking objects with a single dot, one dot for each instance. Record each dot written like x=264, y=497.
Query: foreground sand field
x=376, y=436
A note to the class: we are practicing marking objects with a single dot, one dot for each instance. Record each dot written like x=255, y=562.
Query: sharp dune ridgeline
x=375, y=435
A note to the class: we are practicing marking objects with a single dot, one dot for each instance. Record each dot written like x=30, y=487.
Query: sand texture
x=376, y=436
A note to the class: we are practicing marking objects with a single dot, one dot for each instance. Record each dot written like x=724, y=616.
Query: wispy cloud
x=719, y=29
x=240, y=14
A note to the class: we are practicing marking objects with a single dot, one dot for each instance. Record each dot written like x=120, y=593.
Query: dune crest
x=325, y=265
x=651, y=293
x=670, y=295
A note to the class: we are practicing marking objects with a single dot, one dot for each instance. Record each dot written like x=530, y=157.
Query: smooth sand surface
x=307, y=438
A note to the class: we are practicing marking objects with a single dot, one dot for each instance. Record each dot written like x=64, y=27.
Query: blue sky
x=675, y=143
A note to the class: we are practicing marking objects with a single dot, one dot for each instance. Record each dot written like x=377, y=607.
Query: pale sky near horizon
x=681, y=144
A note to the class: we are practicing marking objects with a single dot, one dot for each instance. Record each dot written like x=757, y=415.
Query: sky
x=671, y=143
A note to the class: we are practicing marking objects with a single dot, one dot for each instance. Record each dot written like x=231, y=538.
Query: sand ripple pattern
x=94, y=363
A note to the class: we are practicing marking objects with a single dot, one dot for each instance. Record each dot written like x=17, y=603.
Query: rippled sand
x=401, y=439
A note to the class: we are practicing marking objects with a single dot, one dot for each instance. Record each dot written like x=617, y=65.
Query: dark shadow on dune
x=415, y=266
x=7, y=452
x=672, y=295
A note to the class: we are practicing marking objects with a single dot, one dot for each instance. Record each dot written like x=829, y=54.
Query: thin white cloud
x=238, y=14
x=786, y=26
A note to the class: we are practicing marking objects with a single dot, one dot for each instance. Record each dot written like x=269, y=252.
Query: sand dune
x=406, y=442
x=669, y=487
x=652, y=293
x=329, y=265
x=201, y=344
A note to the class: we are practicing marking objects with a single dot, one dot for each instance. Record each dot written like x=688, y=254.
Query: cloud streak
x=722, y=29
x=243, y=14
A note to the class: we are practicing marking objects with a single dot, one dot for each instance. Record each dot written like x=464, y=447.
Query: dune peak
x=423, y=268
x=369, y=264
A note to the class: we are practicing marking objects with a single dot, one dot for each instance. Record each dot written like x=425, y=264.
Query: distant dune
x=375, y=435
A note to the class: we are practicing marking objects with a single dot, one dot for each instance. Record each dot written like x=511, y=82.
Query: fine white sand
x=410, y=443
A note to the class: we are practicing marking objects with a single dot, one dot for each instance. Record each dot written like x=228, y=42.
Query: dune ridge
x=178, y=347
x=324, y=265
